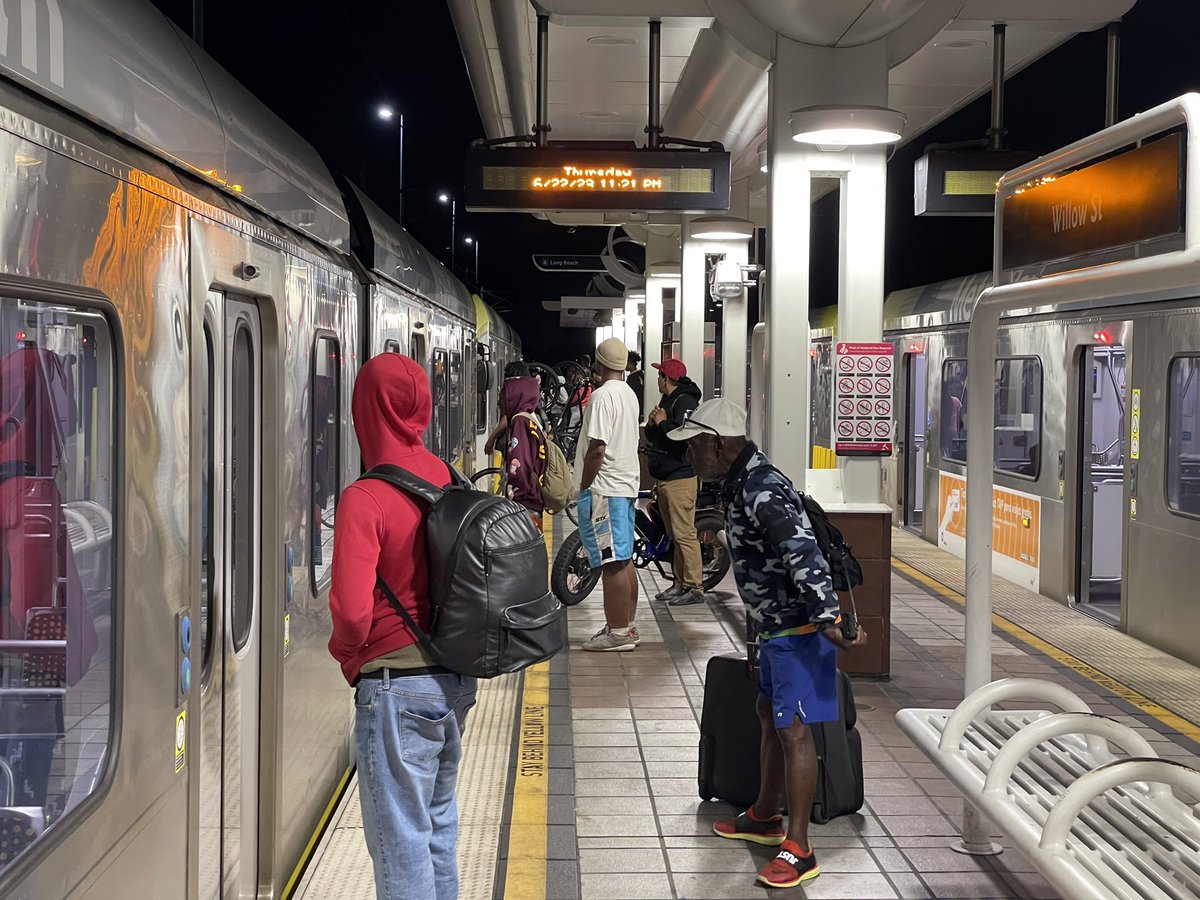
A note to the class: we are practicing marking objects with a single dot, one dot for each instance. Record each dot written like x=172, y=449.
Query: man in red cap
x=677, y=484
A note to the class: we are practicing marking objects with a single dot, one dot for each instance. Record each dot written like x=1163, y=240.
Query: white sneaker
x=605, y=640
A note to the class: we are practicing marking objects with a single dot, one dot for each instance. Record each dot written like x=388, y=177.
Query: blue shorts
x=606, y=527
x=798, y=674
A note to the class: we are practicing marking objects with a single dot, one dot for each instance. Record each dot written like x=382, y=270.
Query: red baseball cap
x=672, y=368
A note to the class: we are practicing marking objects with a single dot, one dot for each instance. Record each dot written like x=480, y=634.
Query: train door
x=230, y=642
x=914, y=442
x=1101, y=488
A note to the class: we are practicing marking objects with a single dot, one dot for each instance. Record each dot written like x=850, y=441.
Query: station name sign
x=533, y=179
x=1092, y=213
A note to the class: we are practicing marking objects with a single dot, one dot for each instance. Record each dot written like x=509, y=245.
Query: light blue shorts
x=606, y=527
x=798, y=674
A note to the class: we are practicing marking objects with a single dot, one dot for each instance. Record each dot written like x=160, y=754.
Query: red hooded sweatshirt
x=379, y=529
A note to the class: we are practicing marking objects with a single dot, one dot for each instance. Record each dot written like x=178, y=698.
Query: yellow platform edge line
x=306, y=856
x=525, y=862
x=1171, y=720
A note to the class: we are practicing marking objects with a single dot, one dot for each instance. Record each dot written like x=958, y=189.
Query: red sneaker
x=758, y=831
x=791, y=867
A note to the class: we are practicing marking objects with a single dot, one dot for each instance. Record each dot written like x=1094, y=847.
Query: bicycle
x=572, y=577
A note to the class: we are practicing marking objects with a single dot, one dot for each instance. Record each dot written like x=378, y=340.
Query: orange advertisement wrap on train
x=1016, y=528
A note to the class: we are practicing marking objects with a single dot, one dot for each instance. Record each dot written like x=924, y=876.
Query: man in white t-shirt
x=607, y=474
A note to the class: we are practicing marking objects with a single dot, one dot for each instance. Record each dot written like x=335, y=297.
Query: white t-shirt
x=611, y=415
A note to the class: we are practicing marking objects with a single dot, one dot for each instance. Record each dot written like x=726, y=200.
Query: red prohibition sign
x=864, y=385
x=864, y=407
x=846, y=364
x=883, y=386
x=864, y=429
x=845, y=428
x=883, y=407
x=884, y=364
x=864, y=364
x=846, y=407
x=883, y=429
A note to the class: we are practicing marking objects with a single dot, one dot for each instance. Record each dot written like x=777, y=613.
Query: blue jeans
x=408, y=740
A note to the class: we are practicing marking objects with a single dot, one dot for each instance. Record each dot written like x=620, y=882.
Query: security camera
x=726, y=281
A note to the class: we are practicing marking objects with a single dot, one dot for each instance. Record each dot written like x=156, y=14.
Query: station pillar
x=690, y=306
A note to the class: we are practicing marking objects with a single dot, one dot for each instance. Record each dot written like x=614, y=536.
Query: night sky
x=325, y=72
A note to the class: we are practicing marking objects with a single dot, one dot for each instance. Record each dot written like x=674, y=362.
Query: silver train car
x=1069, y=518
x=185, y=298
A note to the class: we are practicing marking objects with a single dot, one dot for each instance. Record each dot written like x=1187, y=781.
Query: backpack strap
x=408, y=620
x=414, y=485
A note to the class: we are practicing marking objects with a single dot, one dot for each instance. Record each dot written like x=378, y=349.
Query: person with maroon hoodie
x=525, y=452
x=409, y=713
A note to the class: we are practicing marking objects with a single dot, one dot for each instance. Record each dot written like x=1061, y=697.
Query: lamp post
x=471, y=240
x=387, y=113
x=453, y=201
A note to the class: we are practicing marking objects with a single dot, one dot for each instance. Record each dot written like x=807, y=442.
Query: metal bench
x=1094, y=823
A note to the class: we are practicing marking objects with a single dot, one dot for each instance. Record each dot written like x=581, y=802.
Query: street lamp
x=471, y=240
x=386, y=113
x=453, y=201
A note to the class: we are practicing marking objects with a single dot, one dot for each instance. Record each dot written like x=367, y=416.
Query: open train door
x=1102, y=455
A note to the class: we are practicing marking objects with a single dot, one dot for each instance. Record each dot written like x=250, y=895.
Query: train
x=1069, y=521
x=186, y=295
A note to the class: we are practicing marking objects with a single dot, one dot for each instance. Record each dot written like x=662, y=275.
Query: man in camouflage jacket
x=783, y=579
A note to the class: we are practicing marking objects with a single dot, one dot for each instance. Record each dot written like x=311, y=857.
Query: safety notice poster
x=862, y=399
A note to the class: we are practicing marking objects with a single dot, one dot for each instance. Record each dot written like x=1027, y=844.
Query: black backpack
x=843, y=567
x=493, y=612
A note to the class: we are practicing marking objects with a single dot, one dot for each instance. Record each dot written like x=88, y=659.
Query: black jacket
x=668, y=458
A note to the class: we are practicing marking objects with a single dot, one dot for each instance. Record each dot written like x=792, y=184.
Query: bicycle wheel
x=572, y=577
x=713, y=555
x=490, y=481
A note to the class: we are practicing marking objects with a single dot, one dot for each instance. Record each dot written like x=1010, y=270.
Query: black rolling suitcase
x=729, y=733
x=839, y=760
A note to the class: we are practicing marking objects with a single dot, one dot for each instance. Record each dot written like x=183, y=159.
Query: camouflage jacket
x=780, y=571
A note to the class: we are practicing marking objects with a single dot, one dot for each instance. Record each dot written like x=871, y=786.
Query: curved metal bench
x=1094, y=823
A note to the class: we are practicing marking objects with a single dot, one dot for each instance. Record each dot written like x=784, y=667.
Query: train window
x=481, y=395
x=58, y=478
x=954, y=410
x=241, y=485
x=208, y=513
x=326, y=393
x=1018, y=414
x=455, y=404
x=436, y=436
x=1183, y=436
x=1018, y=422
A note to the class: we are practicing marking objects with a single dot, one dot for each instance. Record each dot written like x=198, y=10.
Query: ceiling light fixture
x=762, y=157
x=846, y=126
x=721, y=228
x=612, y=40
x=598, y=114
x=670, y=271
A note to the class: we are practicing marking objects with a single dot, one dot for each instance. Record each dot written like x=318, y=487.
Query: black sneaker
x=671, y=592
x=687, y=598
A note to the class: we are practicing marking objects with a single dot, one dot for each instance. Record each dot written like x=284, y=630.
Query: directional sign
x=863, y=405
x=568, y=262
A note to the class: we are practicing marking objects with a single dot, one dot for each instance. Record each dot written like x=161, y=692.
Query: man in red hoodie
x=409, y=713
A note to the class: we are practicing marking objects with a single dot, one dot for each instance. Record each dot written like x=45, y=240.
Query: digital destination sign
x=1123, y=205
x=588, y=178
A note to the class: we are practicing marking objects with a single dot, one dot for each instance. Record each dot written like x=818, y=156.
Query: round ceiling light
x=612, y=40
x=598, y=114
x=721, y=228
x=762, y=157
x=847, y=126
x=960, y=44
x=672, y=271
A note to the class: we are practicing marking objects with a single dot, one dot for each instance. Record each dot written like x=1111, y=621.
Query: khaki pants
x=677, y=503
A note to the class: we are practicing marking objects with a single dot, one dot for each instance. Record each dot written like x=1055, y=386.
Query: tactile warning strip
x=482, y=777
x=341, y=867
x=1155, y=675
